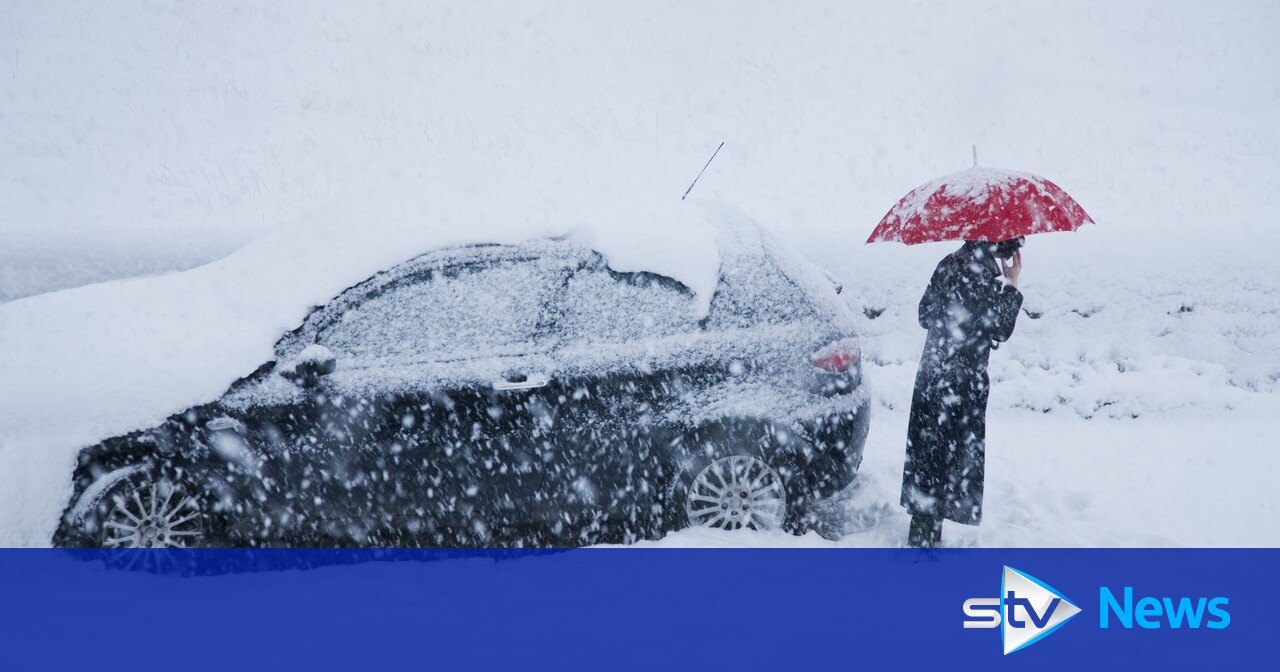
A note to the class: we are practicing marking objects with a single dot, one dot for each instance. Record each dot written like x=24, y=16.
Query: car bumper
x=836, y=439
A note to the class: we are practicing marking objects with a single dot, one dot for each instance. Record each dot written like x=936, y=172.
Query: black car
x=508, y=395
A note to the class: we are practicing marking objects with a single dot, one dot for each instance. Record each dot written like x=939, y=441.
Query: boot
x=926, y=532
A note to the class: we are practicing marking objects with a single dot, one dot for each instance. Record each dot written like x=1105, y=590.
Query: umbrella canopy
x=980, y=204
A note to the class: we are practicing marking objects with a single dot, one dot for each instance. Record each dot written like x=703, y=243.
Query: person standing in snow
x=970, y=306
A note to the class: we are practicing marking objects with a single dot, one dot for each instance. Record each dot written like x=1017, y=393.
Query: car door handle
x=519, y=381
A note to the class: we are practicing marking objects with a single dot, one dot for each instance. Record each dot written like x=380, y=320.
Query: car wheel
x=736, y=492
x=141, y=512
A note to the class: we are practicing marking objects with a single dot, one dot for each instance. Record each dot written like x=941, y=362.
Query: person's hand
x=1012, y=271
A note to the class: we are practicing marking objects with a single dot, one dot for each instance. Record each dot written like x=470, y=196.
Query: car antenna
x=704, y=169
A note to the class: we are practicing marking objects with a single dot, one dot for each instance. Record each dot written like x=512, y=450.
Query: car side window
x=755, y=291
x=602, y=305
x=466, y=311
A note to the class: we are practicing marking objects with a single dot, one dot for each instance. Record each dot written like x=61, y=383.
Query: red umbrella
x=980, y=204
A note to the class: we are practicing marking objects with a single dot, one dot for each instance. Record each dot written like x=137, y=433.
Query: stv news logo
x=1027, y=610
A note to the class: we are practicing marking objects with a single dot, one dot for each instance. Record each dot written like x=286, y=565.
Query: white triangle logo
x=1029, y=609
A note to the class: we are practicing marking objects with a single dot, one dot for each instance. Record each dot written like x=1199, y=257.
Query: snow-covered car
x=508, y=395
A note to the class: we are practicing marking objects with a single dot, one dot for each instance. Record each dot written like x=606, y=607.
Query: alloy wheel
x=737, y=492
x=153, y=515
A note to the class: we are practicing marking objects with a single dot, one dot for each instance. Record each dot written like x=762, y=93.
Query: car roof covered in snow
x=429, y=304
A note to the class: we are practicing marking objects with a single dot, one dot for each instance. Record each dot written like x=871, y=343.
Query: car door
x=455, y=357
x=625, y=349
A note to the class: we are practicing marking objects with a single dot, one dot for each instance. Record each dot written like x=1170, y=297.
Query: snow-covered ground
x=1064, y=481
x=324, y=141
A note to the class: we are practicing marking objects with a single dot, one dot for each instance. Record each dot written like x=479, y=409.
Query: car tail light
x=839, y=357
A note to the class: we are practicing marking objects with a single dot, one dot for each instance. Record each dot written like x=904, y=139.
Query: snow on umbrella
x=980, y=204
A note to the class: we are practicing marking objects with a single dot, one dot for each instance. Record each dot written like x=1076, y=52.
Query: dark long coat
x=967, y=309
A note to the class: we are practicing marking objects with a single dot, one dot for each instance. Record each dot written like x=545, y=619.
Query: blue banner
x=741, y=609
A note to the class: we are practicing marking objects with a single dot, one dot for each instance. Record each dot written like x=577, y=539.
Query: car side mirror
x=314, y=361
